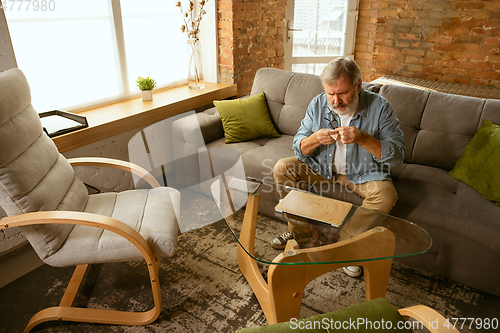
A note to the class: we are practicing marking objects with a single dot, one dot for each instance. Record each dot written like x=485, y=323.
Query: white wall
x=7, y=59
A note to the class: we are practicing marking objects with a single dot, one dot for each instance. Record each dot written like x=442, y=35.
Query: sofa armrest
x=208, y=121
x=210, y=125
x=370, y=86
x=187, y=129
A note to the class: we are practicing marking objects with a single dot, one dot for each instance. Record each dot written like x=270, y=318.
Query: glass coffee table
x=342, y=234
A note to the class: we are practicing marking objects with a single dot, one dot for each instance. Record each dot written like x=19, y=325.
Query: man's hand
x=349, y=134
x=323, y=136
x=326, y=136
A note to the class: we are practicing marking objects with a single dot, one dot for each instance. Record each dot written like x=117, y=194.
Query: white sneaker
x=353, y=271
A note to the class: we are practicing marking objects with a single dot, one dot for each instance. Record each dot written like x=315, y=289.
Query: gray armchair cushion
x=153, y=213
x=15, y=95
x=33, y=175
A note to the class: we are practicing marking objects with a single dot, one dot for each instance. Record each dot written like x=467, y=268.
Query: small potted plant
x=146, y=85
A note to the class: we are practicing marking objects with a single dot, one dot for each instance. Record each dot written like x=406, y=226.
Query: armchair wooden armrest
x=82, y=218
x=430, y=318
x=118, y=164
x=65, y=311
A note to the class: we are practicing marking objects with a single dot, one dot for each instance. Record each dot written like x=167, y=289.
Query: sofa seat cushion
x=240, y=147
x=429, y=175
x=153, y=213
x=283, y=142
x=259, y=156
x=472, y=234
x=426, y=204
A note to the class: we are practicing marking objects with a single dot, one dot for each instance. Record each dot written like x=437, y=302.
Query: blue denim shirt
x=374, y=116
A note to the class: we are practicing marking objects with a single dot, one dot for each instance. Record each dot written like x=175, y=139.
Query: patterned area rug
x=204, y=291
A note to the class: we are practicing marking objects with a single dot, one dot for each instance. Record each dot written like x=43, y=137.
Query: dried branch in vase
x=192, y=18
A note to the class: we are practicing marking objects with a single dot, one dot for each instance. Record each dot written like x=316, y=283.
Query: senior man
x=349, y=136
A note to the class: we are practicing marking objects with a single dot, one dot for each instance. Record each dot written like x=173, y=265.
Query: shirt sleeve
x=391, y=138
x=306, y=128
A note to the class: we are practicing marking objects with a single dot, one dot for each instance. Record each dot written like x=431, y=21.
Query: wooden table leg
x=247, y=264
x=377, y=275
x=287, y=284
x=281, y=297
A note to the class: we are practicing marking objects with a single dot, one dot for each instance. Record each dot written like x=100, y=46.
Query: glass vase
x=195, y=64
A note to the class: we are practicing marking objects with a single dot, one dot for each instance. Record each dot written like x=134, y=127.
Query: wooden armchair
x=65, y=225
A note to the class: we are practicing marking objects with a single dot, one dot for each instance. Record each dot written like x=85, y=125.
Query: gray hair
x=341, y=67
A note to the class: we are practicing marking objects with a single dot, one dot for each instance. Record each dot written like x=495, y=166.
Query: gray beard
x=351, y=108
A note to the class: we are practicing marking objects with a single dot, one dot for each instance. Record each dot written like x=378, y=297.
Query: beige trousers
x=378, y=195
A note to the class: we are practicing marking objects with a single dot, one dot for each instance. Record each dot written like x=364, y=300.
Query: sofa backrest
x=288, y=94
x=438, y=126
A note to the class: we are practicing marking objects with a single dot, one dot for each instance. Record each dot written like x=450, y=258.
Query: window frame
x=349, y=41
x=208, y=36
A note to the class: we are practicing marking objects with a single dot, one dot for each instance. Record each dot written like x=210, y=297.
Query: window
x=322, y=30
x=77, y=53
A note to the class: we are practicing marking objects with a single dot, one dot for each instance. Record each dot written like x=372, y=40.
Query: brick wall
x=448, y=40
x=251, y=36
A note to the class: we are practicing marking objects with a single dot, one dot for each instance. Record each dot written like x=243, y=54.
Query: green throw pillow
x=479, y=165
x=377, y=315
x=246, y=119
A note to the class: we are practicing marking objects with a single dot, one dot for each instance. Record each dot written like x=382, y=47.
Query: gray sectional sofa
x=465, y=227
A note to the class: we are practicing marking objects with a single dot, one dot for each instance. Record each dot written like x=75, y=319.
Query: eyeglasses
x=332, y=123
